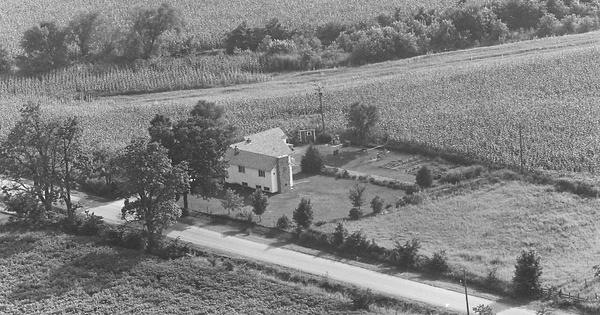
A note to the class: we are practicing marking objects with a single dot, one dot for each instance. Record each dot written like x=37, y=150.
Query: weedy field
x=207, y=20
x=485, y=230
x=50, y=273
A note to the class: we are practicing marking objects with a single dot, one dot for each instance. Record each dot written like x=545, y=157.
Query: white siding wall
x=251, y=177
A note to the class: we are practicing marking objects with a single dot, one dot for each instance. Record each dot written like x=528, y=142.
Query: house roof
x=260, y=150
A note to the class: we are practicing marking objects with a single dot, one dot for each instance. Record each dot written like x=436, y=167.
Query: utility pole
x=320, y=93
x=466, y=294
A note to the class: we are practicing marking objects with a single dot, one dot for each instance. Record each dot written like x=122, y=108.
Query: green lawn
x=329, y=198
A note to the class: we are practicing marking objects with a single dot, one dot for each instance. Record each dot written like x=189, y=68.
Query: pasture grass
x=46, y=272
x=487, y=228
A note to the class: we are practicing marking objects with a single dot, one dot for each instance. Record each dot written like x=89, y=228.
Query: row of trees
x=176, y=159
x=48, y=46
x=87, y=38
x=405, y=35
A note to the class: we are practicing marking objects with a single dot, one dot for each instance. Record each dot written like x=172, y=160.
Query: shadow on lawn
x=341, y=159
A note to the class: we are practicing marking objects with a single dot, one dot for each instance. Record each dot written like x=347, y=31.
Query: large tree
x=149, y=176
x=201, y=141
x=43, y=152
x=82, y=32
x=45, y=48
x=150, y=24
x=361, y=119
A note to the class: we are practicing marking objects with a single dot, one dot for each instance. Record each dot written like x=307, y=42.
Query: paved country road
x=336, y=270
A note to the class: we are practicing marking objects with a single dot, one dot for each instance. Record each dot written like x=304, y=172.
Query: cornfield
x=477, y=110
x=151, y=76
x=551, y=102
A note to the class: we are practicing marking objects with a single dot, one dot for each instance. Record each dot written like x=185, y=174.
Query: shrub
x=339, y=235
x=357, y=195
x=324, y=137
x=355, y=213
x=577, y=187
x=28, y=210
x=312, y=161
x=356, y=243
x=400, y=202
x=438, y=263
x=482, y=309
x=125, y=237
x=90, y=225
x=173, y=250
x=362, y=299
x=377, y=204
x=414, y=199
x=459, y=174
x=245, y=215
x=528, y=271
x=424, y=177
x=284, y=222
x=406, y=255
x=303, y=215
x=412, y=189
x=312, y=238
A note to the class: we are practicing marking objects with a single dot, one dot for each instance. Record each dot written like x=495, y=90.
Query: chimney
x=236, y=150
x=248, y=140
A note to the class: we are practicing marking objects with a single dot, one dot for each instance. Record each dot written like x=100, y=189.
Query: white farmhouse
x=261, y=161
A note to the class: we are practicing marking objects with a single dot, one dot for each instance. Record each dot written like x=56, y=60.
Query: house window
x=258, y=187
x=241, y=169
x=261, y=173
x=245, y=184
x=266, y=189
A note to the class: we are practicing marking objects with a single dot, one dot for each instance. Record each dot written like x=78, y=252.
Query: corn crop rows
x=151, y=76
x=477, y=110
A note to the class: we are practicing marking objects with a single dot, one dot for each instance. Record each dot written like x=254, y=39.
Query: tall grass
x=486, y=230
x=54, y=273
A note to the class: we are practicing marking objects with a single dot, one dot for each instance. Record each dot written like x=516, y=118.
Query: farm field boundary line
x=348, y=77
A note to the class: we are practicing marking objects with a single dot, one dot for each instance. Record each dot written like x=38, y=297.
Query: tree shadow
x=14, y=242
x=341, y=159
x=92, y=273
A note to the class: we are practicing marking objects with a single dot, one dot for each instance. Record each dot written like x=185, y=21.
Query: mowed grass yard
x=328, y=195
x=487, y=229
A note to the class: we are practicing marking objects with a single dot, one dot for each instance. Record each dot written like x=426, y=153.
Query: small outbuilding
x=307, y=135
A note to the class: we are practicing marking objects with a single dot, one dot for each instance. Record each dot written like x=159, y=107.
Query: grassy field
x=487, y=228
x=207, y=20
x=50, y=273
